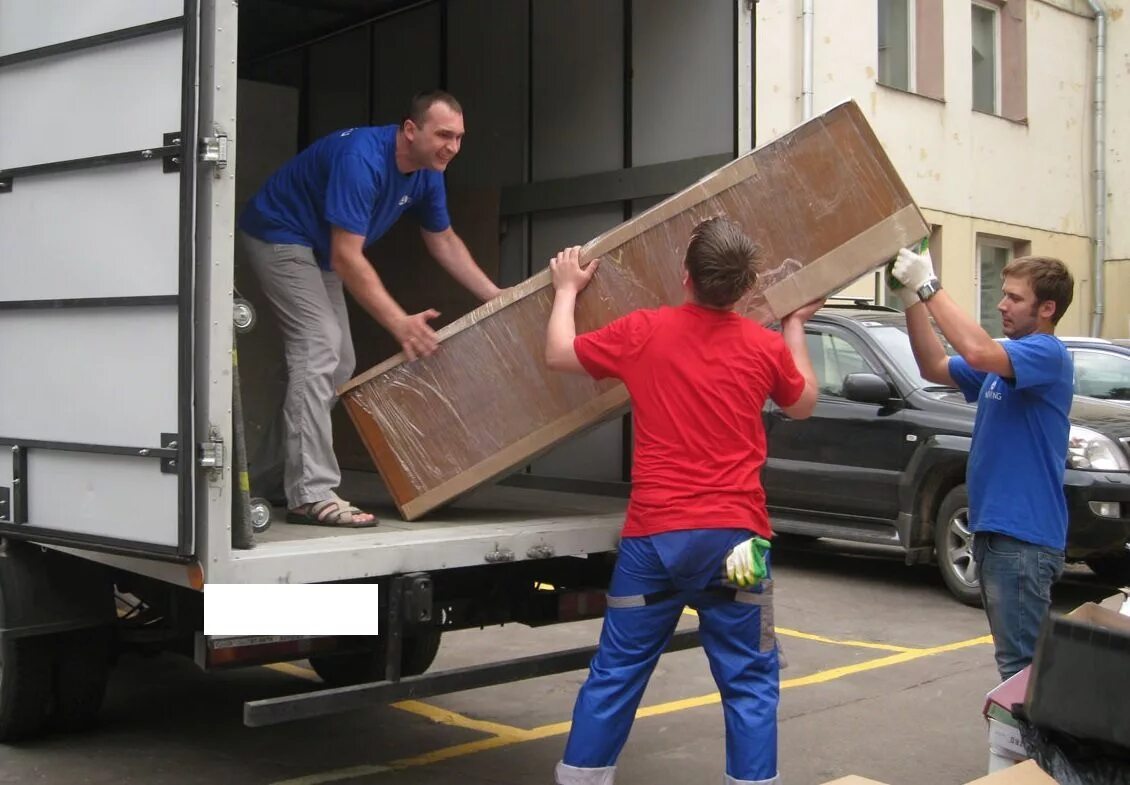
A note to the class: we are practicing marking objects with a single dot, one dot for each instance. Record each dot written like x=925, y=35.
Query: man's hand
x=804, y=313
x=907, y=295
x=568, y=276
x=745, y=566
x=414, y=335
x=912, y=270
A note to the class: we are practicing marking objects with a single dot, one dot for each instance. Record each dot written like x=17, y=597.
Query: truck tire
x=82, y=669
x=25, y=688
x=1113, y=569
x=418, y=651
x=953, y=547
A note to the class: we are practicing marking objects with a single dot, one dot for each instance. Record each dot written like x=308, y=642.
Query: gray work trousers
x=309, y=303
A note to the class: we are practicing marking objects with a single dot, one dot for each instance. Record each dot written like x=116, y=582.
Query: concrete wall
x=973, y=172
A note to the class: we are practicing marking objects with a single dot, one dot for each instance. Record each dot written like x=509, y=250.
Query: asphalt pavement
x=886, y=677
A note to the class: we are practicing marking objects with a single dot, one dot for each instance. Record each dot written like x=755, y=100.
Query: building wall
x=972, y=172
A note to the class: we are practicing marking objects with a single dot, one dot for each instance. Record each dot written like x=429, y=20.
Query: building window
x=896, y=43
x=993, y=253
x=986, y=60
x=992, y=256
x=910, y=45
x=999, y=37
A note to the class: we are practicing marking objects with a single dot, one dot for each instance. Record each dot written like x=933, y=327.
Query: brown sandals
x=333, y=512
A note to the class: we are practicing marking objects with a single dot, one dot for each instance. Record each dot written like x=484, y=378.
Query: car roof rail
x=857, y=303
x=1086, y=339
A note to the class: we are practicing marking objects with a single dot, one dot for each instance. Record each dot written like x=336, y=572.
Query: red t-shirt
x=698, y=379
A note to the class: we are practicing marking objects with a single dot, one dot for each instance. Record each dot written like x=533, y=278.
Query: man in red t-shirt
x=698, y=376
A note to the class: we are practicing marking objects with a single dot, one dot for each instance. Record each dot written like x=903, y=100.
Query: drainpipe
x=807, y=67
x=1098, y=120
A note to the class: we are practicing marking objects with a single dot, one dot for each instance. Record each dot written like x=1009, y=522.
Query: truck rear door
x=98, y=149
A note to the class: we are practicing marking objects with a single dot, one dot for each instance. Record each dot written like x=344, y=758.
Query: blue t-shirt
x=1016, y=463
x=347, y=179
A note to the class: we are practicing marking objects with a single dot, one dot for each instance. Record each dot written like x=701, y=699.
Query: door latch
x=210, y=455
x=214, y=150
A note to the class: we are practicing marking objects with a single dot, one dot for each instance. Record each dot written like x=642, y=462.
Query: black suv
x=882, y=459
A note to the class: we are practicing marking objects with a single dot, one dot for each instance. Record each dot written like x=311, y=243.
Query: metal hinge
x=214, y=150
x=210, y=455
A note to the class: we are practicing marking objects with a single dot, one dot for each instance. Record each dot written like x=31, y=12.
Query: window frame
x=998, y=53
x=911, y=48
x=872, y=364
x=987, y=241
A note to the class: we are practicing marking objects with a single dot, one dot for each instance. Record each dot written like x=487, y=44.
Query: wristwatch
x=929, y=289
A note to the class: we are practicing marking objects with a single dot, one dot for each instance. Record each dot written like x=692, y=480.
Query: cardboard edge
x=515, y=453
x=383, y=458
x=1026, y=773
x=853, y=256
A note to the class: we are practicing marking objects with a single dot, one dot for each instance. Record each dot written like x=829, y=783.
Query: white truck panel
x=30, y=25
x=78, y=234
x=66, y=386
x=101, y=495
x=117, y=98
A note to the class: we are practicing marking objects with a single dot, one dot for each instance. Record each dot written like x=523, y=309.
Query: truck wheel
x=25, y=688
x=82, y=670
x=1113, y=569
x=340, y=670
x=953, y=548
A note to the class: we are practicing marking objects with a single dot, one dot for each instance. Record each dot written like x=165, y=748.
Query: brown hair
x=421, y=102
x=1049, y=278
x=721, y=262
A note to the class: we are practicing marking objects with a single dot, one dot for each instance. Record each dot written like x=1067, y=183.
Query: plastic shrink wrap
x=823, y=203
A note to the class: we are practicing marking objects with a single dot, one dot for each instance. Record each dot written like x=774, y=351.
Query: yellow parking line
x=447, y=717
x=858, y=644
x=507, y=735
x=291, y=669
x=821, y=639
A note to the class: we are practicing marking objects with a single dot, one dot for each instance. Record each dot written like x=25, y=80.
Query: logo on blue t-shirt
x=405, y=200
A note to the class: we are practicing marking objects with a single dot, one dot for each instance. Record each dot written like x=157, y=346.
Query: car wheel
x=1112, y=568
x=953, y=548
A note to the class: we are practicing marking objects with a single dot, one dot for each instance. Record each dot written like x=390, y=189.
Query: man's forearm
x=365, y=285
x=797, y=345
x=452, y=254
x=928, y=350
x=561, y=330
x=966, y=335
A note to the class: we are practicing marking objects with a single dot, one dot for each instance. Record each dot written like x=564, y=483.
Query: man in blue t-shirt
x=305, y=232
x=1023, y=390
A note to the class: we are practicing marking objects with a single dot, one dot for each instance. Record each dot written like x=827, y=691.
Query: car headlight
x=1087, y=449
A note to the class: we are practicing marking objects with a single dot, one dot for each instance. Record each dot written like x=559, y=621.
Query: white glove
x=908, y=296
x=745, y=564
x=912, y=270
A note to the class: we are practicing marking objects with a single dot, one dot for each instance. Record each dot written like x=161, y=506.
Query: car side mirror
x=867, y=388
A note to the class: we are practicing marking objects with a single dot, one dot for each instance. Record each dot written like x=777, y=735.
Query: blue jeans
x=1016, y=583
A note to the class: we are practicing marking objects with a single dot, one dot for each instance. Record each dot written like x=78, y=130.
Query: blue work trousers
x=654, y=579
